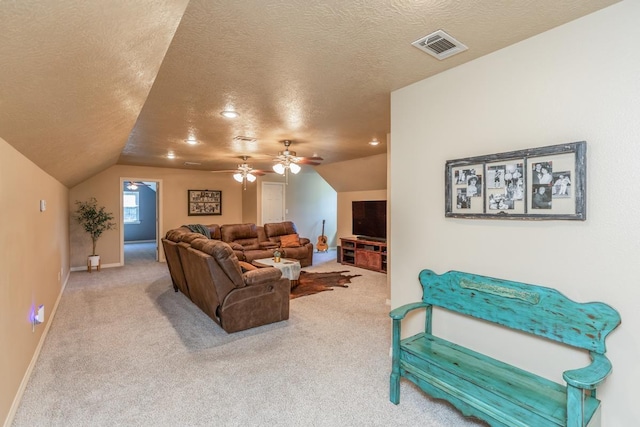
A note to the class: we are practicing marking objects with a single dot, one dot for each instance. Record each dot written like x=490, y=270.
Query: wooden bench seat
x=499, y=393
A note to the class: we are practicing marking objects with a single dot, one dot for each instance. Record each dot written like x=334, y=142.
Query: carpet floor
x=125, y=350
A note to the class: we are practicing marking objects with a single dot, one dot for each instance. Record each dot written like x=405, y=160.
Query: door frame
x=159, y=253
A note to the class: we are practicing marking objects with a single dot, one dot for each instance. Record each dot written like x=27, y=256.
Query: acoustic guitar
x=322, y=241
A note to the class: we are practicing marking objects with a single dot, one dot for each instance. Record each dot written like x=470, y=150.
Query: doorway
x=140, y=216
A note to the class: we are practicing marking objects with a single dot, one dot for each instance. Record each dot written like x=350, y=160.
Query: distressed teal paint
x=489, y=389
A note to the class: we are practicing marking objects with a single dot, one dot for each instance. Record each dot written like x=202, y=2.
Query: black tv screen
x=370, y=219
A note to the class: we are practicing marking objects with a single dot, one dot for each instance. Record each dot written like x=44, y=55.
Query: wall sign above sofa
x=204, y=202
x=537, y=183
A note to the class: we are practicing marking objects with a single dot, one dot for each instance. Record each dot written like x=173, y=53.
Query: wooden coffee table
x=290, y=267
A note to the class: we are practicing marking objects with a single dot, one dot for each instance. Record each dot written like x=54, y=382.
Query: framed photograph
x=204, y=202
x=538, y=183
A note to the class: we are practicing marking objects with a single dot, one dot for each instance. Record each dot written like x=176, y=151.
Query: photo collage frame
x=538, y=183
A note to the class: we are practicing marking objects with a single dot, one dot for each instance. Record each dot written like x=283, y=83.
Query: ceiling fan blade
x=313, y=158
x=225, y=171
x=307, y=162
x=261, y=172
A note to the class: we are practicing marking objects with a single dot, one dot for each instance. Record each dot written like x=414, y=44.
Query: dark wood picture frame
x=545, y=183
x=204, y=202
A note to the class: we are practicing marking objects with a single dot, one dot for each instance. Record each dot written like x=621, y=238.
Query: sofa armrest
x=245, y=266
x=236, y=246
x=304, y=241
x=261, y=275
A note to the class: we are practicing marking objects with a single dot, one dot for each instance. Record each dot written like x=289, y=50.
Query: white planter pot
x=94, y=260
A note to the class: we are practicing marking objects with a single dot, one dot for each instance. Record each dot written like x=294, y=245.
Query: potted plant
x=95, y=220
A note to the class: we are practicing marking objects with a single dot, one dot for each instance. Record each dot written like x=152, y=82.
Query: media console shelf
x=364, y=254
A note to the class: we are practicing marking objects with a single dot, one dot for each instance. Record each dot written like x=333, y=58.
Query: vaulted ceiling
x=86, y=84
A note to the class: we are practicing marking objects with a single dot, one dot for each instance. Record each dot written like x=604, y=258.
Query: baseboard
x=84, y=268
x=27, y=375
x=139, y=241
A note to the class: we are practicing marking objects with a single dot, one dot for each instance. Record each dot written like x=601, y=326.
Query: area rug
x=312, y=283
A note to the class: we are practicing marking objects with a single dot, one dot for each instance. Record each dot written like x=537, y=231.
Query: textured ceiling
x=85, y=84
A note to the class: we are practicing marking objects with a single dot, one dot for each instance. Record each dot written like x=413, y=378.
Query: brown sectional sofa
x=210, y=274
x=251, y=242
x=208, y=270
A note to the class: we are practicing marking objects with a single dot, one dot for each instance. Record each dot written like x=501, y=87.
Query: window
x=131, y=208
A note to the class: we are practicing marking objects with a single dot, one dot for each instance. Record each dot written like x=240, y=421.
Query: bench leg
x=394, y=389
x=575, y=407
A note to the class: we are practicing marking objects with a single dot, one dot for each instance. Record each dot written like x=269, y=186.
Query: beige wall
x=105, y=186
x=309, y=199
x=569, y=84
x=34, y=264
x=250, y=203
x=363, y=174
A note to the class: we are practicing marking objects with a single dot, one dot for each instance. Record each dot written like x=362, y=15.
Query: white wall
x=309, y=200
x=580, y=81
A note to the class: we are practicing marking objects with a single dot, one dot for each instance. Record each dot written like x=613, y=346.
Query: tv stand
x=363, y=253
x=372, y=239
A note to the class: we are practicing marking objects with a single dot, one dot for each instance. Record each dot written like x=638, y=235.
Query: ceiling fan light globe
x=278, y=168
x=250, y=178
x=237, y=177
x=229, y=114
x=294, y=168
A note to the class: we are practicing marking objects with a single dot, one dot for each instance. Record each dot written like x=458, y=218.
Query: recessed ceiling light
x=171, y=155
x=192, y=140
x=374, y=141
x=229, y=114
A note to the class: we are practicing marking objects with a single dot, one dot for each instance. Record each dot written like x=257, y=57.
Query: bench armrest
x=400, y=312
x=590, y=376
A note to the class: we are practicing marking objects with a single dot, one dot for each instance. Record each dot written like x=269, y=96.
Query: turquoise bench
x=499, y=393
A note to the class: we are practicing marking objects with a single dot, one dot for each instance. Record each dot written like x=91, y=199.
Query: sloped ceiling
x=88, y=84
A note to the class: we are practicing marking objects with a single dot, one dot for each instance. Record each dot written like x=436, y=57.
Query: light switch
x=43, y=205
x=40, y=314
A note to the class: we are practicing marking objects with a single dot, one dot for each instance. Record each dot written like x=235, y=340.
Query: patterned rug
x=312, y=283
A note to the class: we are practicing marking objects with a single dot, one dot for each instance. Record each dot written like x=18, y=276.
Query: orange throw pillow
x=290, y=241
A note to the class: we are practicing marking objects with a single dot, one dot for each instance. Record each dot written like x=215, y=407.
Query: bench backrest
x=530, y=308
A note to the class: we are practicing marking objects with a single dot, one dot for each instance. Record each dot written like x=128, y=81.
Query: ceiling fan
x=133, y=185
x=244, y=172
x=287, y=160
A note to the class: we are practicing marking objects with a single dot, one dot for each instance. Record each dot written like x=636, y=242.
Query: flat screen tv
x=370, y=219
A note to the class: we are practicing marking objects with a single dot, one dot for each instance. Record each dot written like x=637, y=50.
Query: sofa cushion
x=242, y=234
x=214, y=230
x=277, y=229
x=248, y=244
x=224, y=256
x=290, y=241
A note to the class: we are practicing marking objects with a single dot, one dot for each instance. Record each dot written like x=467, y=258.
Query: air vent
x=439, y=45
x=192, y=164
x=244, y=139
